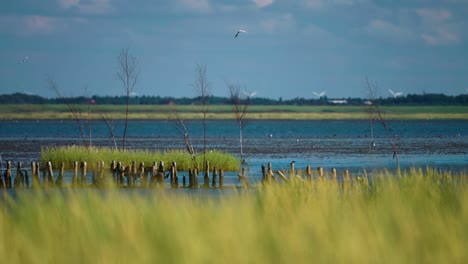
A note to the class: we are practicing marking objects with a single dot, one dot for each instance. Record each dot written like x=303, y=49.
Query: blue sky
x=293, y=47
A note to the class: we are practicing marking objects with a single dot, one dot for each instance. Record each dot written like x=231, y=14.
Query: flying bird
x=250, y=95
x=395, y=95
x=240, y=31
x=23, y=60
x=319, y=95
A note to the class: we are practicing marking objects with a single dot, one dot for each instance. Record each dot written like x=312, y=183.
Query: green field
x=413, y=217
x=226, y=112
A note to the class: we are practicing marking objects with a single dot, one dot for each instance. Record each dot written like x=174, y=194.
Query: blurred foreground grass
x=414, y=217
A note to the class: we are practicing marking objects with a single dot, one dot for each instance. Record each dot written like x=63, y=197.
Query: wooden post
x=320, y=171
x=154, y=172
x=50, y=173
x=59, y=180
x=174, y=178
x=160, y=176
x=120, y=171
x=84, y=166
x=75, y=173
x=243, y=179
x=281, y=174
x=19, y=179
x=142, y=174
x=333, y=171
x=195, y=178
x=221, y=178
x=8, y=174
x=206, y=177
x=134, y=173
x=309, y=173
x=270, y=172
x=264, y=175
x=191, y=178
x=101, y=174
x=346, y=176
x=113, y=169
x=36, y=183
x=213, y=182
x=184, y=183
x=292, y=171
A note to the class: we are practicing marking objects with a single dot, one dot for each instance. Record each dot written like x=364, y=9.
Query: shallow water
x=330, y=144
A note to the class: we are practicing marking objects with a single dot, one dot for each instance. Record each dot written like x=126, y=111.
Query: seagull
x=23, y=60
x=395, y=95
x=240, y=31
x=250, y=95
x=319, y=94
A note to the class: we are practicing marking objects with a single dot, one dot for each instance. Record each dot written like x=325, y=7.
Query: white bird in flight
x=240, y=31
x=319, y=94
x=23, y=60
x=395, y=95
x=250, y=95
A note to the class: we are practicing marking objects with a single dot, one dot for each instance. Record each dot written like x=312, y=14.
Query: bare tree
x=241, y=101
x=127, y=73
x=202, y=89
x=375, y=112
x=110, y=127
x=74, y=110
x=182, y=129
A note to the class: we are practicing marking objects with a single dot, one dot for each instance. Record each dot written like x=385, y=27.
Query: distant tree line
x=410, y=99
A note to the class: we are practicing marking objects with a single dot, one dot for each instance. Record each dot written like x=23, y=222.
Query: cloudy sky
x=293, y=47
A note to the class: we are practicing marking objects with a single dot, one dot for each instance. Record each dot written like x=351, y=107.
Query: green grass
x=225, y=112
x=415, y=217
x=92, y=155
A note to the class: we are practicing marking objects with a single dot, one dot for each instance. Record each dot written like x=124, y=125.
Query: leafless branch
x=74, y=109
x=202, y=89
x=127, y=73
x=377, y=111
x=241, y=101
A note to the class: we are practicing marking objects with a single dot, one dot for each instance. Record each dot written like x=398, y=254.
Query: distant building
x=338, y=101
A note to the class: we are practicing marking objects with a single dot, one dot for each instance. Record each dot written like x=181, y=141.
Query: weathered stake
x=206, y=177
x=84, y=166
x=59, y=180
x=221, y=178
x=213, y=182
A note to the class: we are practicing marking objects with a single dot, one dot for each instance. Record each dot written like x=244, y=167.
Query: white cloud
x=263, y=3
x=387, y=30
x=318, y=4
x=434, y=15
x=437, y=29
x=87, y=6
x=284, y=22
x=199, y=6
x=40, y=24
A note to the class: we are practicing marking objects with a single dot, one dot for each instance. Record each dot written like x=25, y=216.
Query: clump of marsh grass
x=92, y=155
x=411, y=217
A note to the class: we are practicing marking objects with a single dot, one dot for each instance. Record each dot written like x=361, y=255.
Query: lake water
x=329, y=144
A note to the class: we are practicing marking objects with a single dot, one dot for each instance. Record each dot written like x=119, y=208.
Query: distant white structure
x=338, y=101
x=368, y=102
x=319, y=95
x=395, y=95
x=240, y=31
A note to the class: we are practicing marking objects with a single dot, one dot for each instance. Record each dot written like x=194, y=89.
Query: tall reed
x=69, y=154
x=414, y=217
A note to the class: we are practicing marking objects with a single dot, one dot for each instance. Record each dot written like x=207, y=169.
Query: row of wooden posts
x=124, y=176
x=153, y=176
